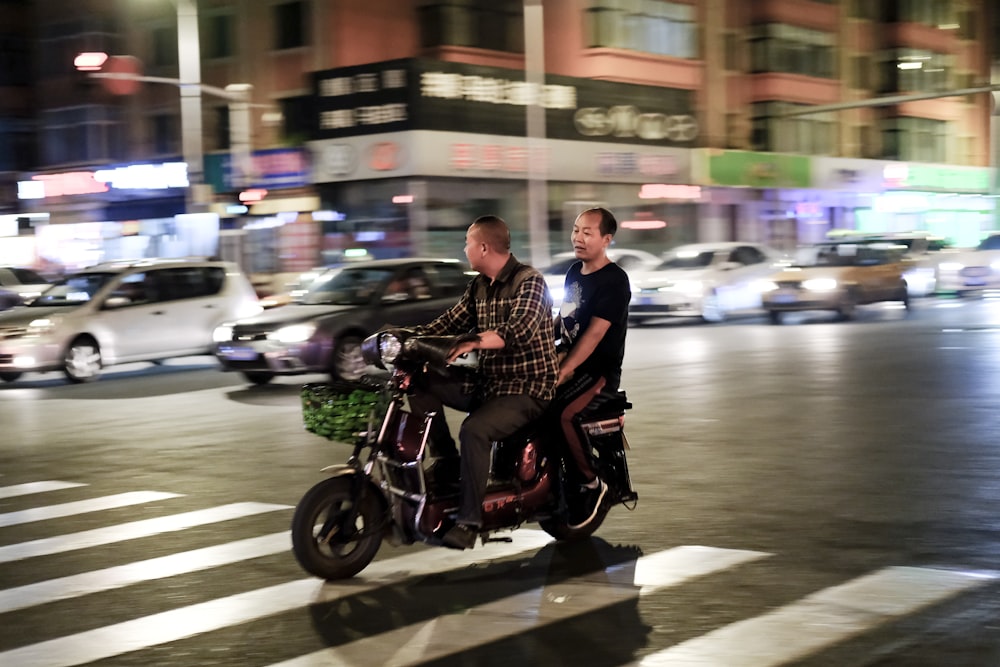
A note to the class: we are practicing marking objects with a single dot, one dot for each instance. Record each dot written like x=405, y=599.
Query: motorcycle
x=393, y=493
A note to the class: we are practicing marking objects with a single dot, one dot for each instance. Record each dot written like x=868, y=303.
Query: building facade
x=386, y=126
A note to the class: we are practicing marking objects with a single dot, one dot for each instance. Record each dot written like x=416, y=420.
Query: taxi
x=838, y=277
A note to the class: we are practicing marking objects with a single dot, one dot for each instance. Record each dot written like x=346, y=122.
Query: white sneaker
x=589, y=505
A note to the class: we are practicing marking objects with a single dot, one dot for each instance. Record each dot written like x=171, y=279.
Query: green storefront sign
x=759, y=170
x=942, y=179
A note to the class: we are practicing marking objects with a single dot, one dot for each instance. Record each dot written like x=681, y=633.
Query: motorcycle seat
x=605, y=406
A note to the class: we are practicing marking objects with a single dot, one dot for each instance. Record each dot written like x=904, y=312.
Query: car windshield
x=851, y=254
x=346, y=287
x=687, y=259
x=73, y=290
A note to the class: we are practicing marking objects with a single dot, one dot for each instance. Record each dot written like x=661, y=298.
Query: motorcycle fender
x=339, y=470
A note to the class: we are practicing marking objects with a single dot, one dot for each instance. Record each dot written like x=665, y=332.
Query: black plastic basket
x=341, y=410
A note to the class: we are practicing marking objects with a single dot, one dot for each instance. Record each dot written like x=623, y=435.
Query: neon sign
x=133, y=177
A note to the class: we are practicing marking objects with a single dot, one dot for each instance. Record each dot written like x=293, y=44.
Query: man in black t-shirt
x=591, y=328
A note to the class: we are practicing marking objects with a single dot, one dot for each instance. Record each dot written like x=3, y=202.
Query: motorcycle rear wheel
x=348, y=549
x=557, y=527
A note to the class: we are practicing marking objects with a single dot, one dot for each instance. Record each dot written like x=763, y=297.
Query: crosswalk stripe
x=36, y=487
x=83, y=507
x=820, y=620
x=446, y=635
x=147, y=570
x=132, y=530
x=192, y=620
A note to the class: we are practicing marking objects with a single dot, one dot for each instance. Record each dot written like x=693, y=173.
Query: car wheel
x=847, y=307
x=10, y=377
x=774, y=316
x=711, y=308
x=258, y=377
x=348, y=364
x=82, y=361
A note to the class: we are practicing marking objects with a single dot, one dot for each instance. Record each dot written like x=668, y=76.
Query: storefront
x=407, y=153
x=124, y=211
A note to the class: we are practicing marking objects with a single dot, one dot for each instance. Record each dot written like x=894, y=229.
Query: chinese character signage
x=413, y=94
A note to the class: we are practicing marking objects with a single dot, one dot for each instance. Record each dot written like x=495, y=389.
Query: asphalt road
x=815, y=493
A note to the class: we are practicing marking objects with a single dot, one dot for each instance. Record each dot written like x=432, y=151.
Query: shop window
x=290, y=25
x=650, y=26
x=778, y=47
x=497, y=25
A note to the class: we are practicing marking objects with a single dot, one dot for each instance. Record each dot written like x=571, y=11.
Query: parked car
x=971, y=271
x=121, y=312
x=27, y=284
x=707, y=280
x=839, y=277
x=628, y=259
x=322, y=331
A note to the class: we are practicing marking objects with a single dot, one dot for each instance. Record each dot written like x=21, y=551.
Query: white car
x=118, y=312
x=706, y=280
x=629, y=260
x=973, y=270
x=24, y=282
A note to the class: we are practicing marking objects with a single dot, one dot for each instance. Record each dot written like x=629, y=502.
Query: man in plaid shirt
x=509, y=309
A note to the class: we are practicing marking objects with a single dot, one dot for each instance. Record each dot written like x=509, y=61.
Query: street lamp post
x=189, y=64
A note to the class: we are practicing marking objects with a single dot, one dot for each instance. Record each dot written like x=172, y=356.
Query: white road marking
x=446, y=635
x=819, y=620
x=147, y=570
x=132, y=530
x=83, y=507
x=36, y=487
x=177, y=624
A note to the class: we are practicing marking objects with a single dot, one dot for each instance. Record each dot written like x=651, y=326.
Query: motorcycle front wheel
x=557, y=526
x=325, y=542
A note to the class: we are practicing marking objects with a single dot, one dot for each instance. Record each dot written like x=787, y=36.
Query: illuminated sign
x=667, y=191
x=493, y=90
x=623, y=164
x=132, y=177
x=385, y=156
x=494, y=157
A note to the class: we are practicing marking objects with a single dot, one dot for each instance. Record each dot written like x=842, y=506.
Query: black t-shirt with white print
x=605, y=293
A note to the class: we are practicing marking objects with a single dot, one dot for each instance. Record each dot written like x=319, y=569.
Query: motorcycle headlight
x=222, y=333
x=820, y=284
x=389, y=347
x=296, y=333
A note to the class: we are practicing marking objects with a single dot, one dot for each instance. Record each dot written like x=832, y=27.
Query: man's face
x=474, y=249
x=588, y=243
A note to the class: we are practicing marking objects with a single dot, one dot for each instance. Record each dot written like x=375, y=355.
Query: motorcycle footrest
x=507, y=540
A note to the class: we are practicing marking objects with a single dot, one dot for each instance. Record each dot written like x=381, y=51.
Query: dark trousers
x=571, y=398
x=487, y=421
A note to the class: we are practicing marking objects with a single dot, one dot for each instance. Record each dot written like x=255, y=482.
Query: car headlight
x=295, y=333
x=689, y=287
x=222, y=333
x=765, y=286
x=950, y=266
x=820, y=284
x=41, y=326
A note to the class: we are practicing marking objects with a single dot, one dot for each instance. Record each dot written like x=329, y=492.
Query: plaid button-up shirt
x=517, y=306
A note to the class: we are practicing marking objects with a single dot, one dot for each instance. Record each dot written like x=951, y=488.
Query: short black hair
x=493, y=231
x=608, y=223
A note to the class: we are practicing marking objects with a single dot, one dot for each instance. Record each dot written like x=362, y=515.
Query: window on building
x=862, y=72
x=732, y=44
x=914, y=70
x=935, y=13
x=164, y=134
x=777, y=47
x=218, y=36
x=163, y=46
x=914, y=139
x=290, y=25
x=497, y=25
x=86, y=133
x=222, y=136
x=812, y=134
x=650, y=26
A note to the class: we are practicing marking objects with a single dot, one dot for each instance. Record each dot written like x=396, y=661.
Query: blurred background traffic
x=734, y=141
